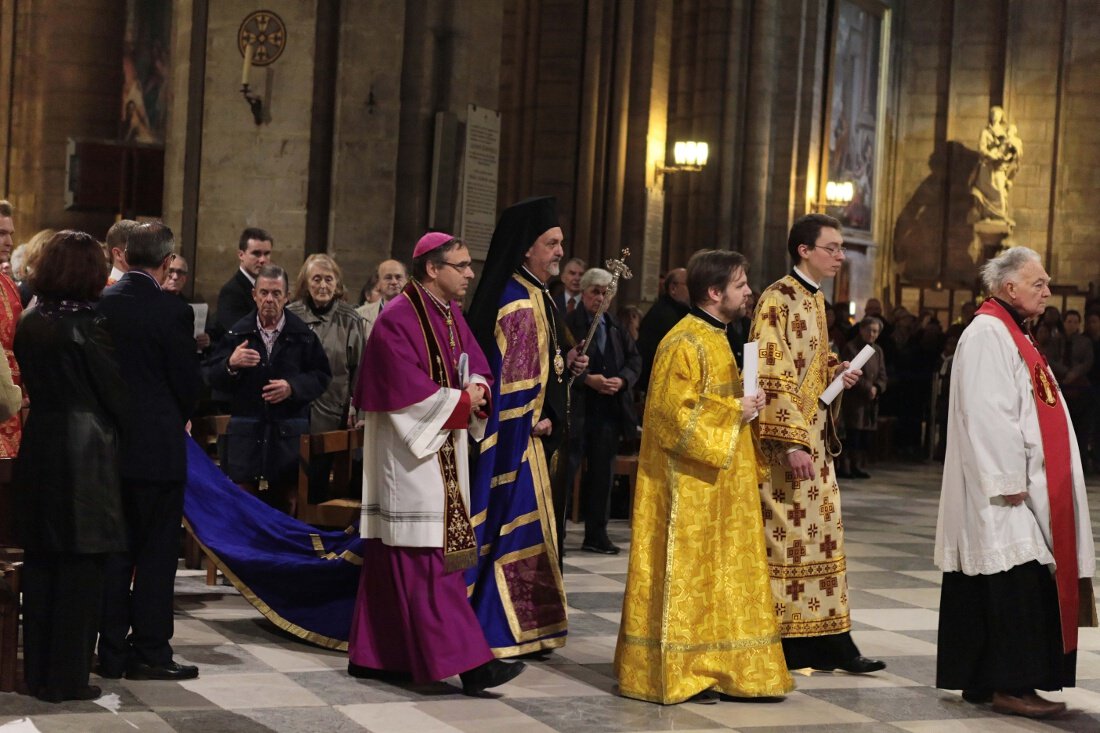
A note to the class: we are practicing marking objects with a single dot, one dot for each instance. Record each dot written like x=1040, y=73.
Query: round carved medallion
x=266, y=32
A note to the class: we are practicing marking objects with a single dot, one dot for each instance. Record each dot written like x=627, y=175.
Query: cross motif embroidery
x=825, y=473
x=827, y=509
x=829, y=583
x=796, y=514
x=795, y=589
x=813, y=343
x=800, y=362
x=771, y=353
x=811, y=531
x=798, y=325
x=766, y=511
x=813, y=493
x=773, y=315
x=796, y=552
x=783, y=415
x=779, y=534
x=827, y=545
x=778, y=494
x=786, y=290
x=813, y=604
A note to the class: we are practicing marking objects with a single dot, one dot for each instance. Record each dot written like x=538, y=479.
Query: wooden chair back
x=342, y=446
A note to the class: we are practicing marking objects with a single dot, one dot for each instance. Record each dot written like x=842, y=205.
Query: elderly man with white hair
x=602, y=409
x=1013, y=538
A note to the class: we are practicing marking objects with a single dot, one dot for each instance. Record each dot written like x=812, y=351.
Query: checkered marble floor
x=254, y=679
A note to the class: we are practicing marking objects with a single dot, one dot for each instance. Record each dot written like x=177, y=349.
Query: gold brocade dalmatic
x=697, y=613
x=802, y=522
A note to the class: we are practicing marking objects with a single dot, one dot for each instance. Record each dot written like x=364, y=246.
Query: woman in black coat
x=66, y=476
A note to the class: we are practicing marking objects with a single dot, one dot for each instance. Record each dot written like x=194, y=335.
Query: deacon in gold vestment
x=697, y=615
x=800, y=498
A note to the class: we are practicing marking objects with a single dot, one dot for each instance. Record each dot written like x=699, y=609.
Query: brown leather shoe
x=1028, y=705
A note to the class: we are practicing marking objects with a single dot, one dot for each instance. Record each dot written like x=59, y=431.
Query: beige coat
x=342, y=337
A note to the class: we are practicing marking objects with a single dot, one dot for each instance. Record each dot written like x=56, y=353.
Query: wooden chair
x=341, y=445
x=622, y=466
x=11, y=564
x=205, y=431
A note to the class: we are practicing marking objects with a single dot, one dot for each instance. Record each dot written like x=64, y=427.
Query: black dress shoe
x=862, y=665
x=108, y=673
x=706, y=697
x=602, y=547
x=491, y=674
x=170, y=671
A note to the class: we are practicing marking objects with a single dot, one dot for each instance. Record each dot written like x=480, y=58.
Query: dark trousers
x=154, y=511
x=62, y=596
x=820, y=652
x=597, y=448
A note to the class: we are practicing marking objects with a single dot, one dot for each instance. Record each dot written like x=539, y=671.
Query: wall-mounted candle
x=248, y=51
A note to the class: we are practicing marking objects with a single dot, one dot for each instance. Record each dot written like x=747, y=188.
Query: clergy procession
x=483, y=408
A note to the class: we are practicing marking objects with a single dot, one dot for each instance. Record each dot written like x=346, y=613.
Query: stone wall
x=1038, y=61
x=61, y=66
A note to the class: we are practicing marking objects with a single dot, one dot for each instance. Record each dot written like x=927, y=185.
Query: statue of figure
x=999, y=148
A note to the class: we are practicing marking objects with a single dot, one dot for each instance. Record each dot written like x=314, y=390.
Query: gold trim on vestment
x=269, y=613
x=713, y=646
x=503, y=652
x=489, y=442
x=518, y=412
x=520, y=521
x=837, y=566
x=479, y=518
x=506, y=600
x=509, y=387
x=504, y=478
x=346, y=555
x=542, y=326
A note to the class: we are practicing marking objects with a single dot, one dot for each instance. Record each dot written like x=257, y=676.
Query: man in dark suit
x=569, y=299
x=235, y=298
x=602, y=409
x=273, y=367
x=672, y=304
x=153, y=336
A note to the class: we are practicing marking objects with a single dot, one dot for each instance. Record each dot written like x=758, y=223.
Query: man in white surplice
x=426, y=392
x=1014, y=537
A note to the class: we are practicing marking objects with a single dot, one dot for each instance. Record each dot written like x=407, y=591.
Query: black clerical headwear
x=519, y=226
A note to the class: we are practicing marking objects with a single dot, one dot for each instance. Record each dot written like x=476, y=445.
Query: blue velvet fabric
x=303, y=579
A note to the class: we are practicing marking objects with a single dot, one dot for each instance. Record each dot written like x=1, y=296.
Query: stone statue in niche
x=999, y=151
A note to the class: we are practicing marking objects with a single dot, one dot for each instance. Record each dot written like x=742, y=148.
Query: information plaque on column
x=479, y=179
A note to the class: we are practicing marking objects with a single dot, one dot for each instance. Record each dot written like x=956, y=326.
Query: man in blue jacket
x=273, y=367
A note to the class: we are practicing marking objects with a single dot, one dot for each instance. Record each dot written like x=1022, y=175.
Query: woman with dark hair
x=66, y=475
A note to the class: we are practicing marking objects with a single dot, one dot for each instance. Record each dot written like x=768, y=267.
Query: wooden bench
x=621, y=466
x=341, y=445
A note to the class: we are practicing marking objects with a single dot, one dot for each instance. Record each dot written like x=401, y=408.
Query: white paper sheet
x=201, y=310
x=750, y=375
x=837, y=385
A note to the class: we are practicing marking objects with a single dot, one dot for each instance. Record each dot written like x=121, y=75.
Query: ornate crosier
x=618, y=269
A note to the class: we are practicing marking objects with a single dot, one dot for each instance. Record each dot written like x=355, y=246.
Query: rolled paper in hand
x=837, y=385
x=751, y=373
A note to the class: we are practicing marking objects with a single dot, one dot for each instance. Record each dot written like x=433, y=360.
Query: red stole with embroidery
x=1056, y=454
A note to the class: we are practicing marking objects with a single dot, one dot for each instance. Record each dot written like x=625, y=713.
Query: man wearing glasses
x=800, y=497
x=428, y=390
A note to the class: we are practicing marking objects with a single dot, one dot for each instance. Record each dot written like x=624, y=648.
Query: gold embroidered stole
x=459, y=542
